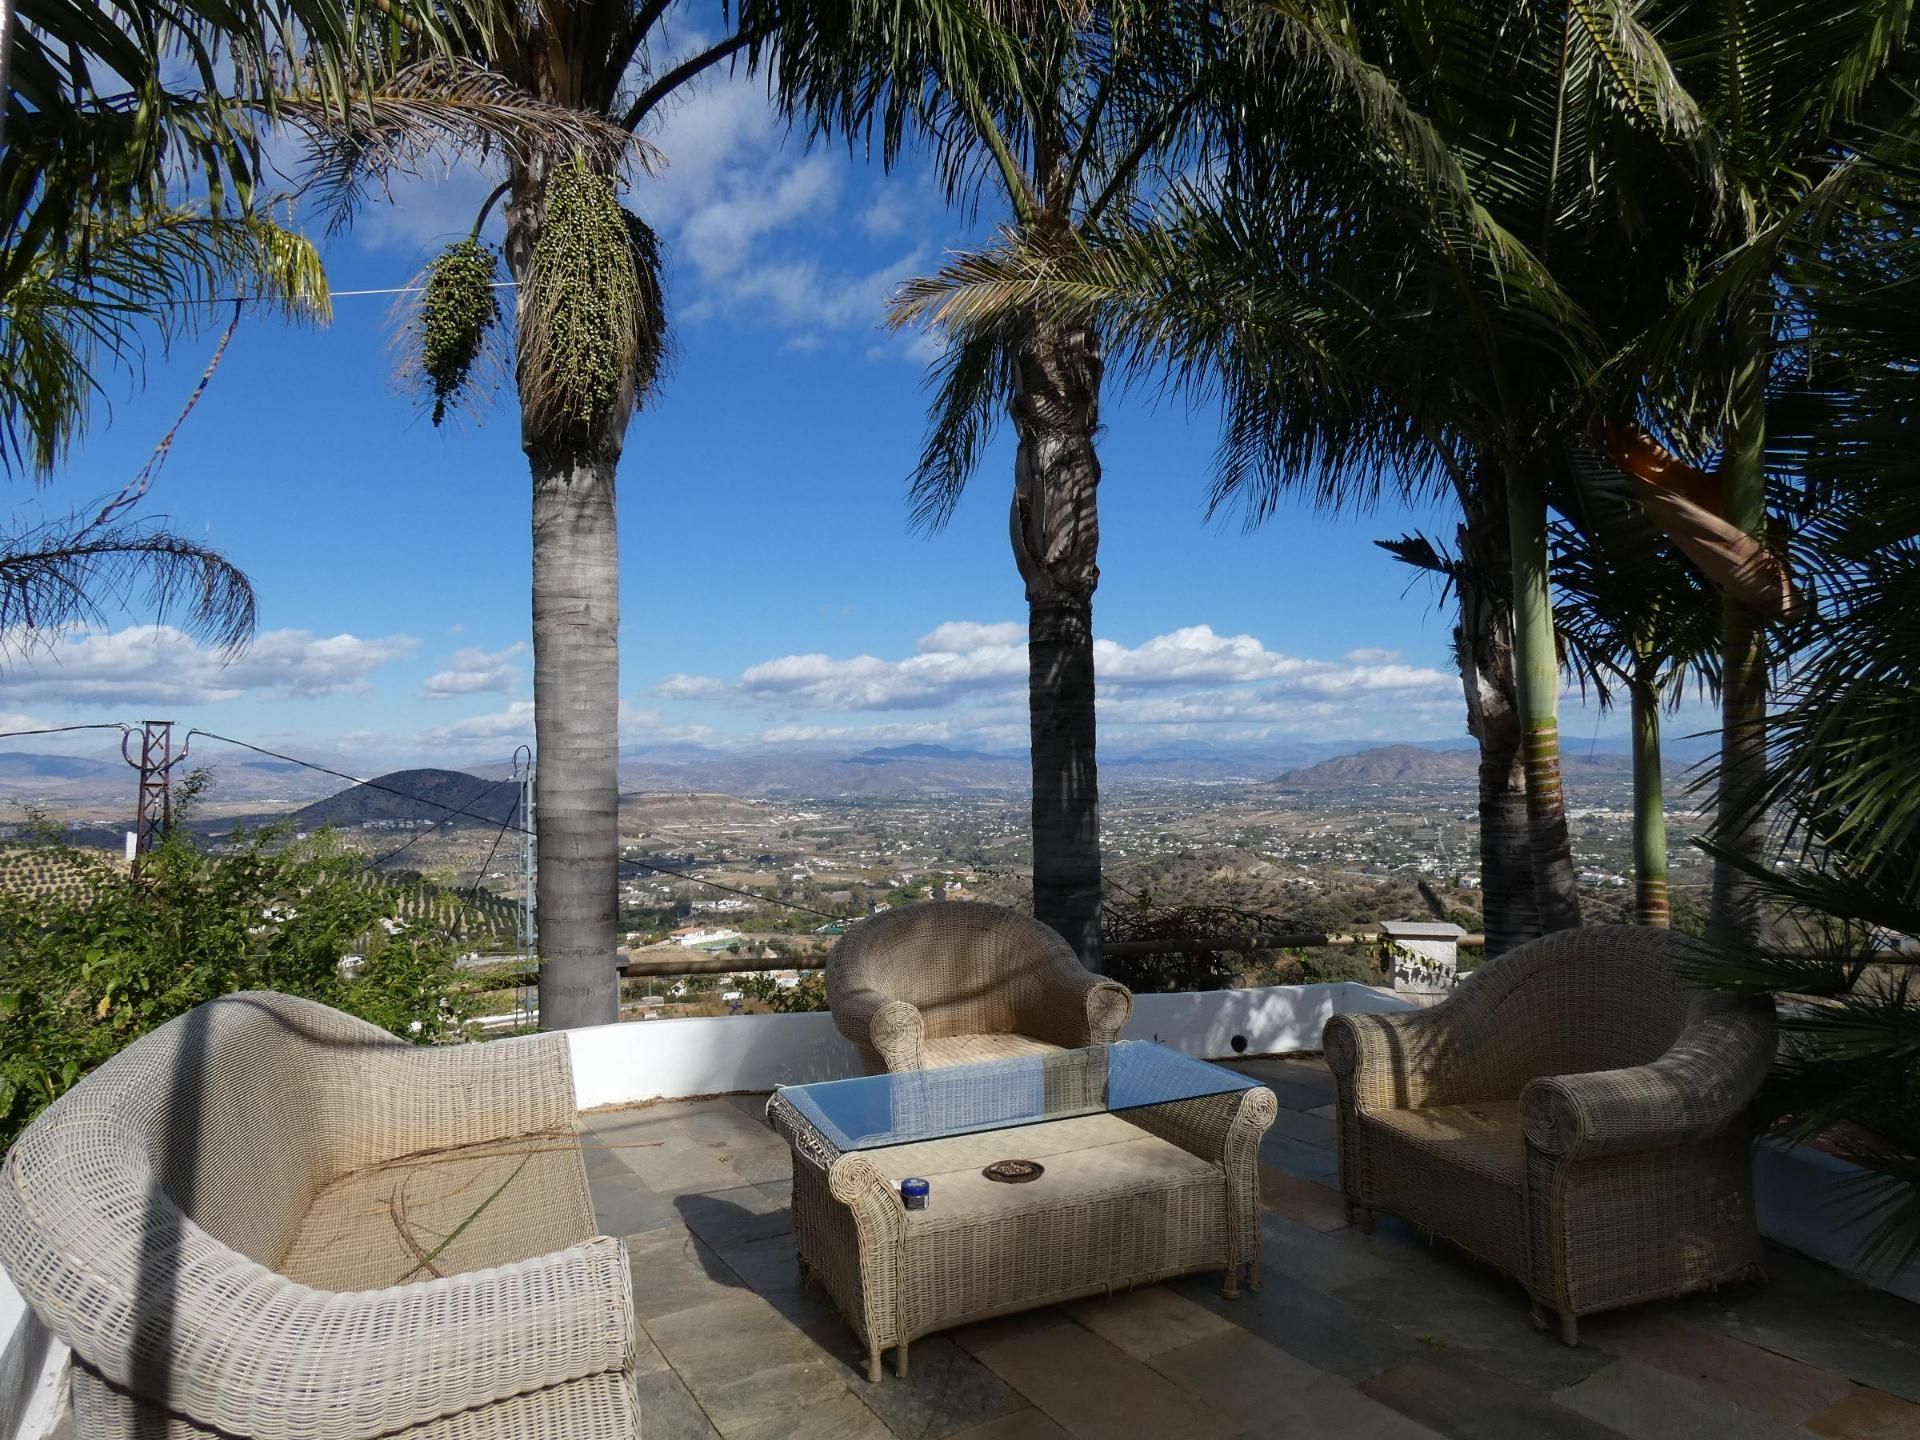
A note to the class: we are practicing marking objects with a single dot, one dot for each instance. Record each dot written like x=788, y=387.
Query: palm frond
x=437, y=108
x=970, y=383
x=73, y=572
x=147, y=277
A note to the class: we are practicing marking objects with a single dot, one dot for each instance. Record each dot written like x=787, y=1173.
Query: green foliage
x=809, y=994
x=458, y=311
x=84, y=973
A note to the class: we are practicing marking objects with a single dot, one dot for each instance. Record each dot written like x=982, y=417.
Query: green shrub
x=84, y=974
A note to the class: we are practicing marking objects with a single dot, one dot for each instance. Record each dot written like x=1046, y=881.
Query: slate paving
x=1351, y=1335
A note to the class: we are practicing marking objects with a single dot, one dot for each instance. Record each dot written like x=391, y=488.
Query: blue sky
x=771, y=589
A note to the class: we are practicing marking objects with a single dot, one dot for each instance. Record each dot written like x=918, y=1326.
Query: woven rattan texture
x=147, y=1215
x=947, y=982
x=1575, y=1114
x=1164, y=1190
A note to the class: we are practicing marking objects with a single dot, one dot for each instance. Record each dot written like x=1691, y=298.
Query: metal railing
x=707, y=963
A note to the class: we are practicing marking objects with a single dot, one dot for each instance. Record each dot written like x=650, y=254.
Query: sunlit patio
x=1350, y=1334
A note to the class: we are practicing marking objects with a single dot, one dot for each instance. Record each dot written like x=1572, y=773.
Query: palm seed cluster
x=582, y=315
x=457, y=310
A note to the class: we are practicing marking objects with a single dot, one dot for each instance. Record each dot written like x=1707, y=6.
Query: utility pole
x=153, y=812
x=529, y=869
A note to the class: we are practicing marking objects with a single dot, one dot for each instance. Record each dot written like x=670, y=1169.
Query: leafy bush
x=86, y=973
x=809, y=994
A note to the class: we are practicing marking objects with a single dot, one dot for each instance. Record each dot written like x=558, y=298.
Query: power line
x=498, y=836
x=466, y=809
x=331, y=294
x=119, y=725
x=518, y=829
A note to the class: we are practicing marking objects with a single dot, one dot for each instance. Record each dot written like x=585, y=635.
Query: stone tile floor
x=1351, y=1335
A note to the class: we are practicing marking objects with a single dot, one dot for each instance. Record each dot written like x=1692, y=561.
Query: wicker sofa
x=267, y=1219
x=951, y=982
x=1574, y=1114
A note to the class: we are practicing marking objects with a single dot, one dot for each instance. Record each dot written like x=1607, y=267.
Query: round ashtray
x=1014, y=1172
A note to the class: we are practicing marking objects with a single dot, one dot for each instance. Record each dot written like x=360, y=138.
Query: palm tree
x=558, y=92
x=1438, y=305
x=1634, y=616
x=1801, y=97
x=1063, y=114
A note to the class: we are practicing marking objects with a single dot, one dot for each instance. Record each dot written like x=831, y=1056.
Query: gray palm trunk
x=1055, y=531
x=576, y=685
x=1483, y=645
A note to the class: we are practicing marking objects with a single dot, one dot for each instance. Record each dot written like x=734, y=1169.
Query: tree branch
x=685, y=71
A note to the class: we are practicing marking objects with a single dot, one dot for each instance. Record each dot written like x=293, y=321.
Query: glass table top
x=872, y=1112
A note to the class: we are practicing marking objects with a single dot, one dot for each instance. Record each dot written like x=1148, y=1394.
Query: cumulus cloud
x=516, y=723
x=160, y=665
x=1185, y=676
x=475, y=672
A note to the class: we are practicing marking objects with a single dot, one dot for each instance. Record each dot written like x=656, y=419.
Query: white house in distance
x=691, y=935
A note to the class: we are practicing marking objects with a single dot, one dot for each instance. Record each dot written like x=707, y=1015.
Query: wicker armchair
x=950, y=982
x=1574, y=1114
x=267, y=1219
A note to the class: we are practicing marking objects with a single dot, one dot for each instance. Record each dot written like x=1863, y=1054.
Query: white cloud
x=716, y=238
x=513, y=723
x=1370, y=657
x=885, y=217
x=474, y=672
x=1191, y=675
x=158, y=664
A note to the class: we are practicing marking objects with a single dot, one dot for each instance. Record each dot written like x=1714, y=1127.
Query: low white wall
x=32, y=1365
x=1810, y=1201
x=664, y=1059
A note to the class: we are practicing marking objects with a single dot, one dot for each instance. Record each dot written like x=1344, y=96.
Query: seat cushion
x=971, y=1049
x=444, y=1213
x=1457, y=1170
x=1085, y=1157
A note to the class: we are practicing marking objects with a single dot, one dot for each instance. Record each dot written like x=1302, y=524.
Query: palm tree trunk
x=1483, y=646
x=576, y=682
x=1055, y=531
x=1537, y=673
x=1649, y=805
x=1739, y=811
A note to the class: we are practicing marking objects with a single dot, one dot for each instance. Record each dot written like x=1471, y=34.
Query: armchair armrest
x=1076, y=1007
x=1700, y=1087
x=892, y=1027
x=1394, y=1061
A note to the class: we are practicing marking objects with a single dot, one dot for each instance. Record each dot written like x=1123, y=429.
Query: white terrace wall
x=656, y=1059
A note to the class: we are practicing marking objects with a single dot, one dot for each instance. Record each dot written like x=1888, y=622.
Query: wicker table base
x=1125, y=1199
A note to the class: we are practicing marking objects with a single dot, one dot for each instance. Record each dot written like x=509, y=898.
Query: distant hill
x=1388, y=765
x=425, y=795
x=1417, y=765
x=893, y=754
x=20, y=764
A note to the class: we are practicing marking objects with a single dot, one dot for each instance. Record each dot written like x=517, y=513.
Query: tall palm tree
x=1063, y=114
x=573, y=86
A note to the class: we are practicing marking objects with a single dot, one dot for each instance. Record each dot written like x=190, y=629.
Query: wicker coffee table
x=1148, y=1169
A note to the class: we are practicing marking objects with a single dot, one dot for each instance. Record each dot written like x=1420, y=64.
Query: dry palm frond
x=445, y=107
x=56, y=576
